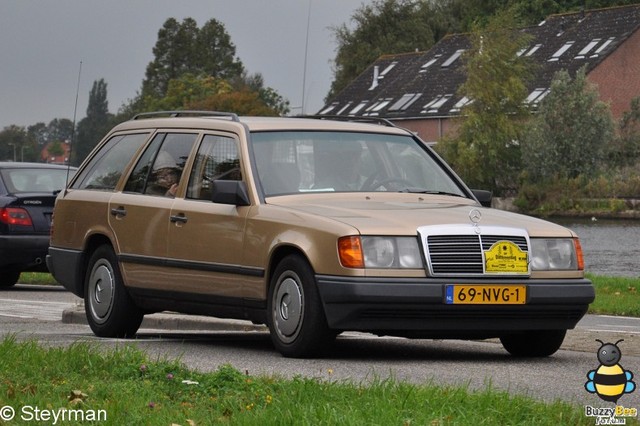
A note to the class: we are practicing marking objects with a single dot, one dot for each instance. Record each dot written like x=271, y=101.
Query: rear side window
x=105, y=169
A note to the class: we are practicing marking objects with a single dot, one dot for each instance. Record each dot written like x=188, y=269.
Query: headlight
x=380, y=252
x=549, y=254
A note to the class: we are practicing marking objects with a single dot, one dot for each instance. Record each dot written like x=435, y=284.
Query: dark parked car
x=27, y=194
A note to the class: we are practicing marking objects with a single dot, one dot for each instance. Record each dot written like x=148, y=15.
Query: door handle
x=181, y=218
x=120, y=211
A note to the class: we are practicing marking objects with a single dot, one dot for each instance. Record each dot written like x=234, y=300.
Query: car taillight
x=15, y=216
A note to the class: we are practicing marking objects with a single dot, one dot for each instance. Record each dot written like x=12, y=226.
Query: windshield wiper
x=429, y=191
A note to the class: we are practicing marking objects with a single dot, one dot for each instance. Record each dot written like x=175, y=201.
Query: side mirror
x=483, y=197
x=232, y=192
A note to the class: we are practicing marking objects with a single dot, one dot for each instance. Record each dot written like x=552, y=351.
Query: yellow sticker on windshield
x=507, y=257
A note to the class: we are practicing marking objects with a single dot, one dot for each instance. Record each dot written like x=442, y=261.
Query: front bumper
x=24, y=252
x=415, y=307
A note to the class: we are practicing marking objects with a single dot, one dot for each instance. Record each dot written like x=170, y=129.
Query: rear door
x=140, y=215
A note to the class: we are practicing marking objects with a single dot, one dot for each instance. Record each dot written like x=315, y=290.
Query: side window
x=105, y=169
x=217, y=159
x=160, y=167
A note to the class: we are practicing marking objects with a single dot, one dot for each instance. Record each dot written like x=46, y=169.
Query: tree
x=484, y=150
x=568, y=136
x=183, y=48
x=16, y=145
x=95, y=125
x=384, y=27
x=58, y=129
x=625, y=149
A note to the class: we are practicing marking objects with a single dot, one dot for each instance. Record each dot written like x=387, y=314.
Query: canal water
x=610, y=247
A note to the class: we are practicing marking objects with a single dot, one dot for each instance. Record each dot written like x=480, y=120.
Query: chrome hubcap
x=288, y=308
x=101, y=291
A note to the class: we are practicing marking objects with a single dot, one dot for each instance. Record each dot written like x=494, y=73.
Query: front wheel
x=296, y=318
x=109, y=308
x=534, y=344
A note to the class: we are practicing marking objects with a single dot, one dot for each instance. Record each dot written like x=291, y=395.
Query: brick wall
x=618, y=76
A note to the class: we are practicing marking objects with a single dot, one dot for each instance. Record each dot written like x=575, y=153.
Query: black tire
x=296, y=318
x=9, y=278
x=109, y=308
x=533, y=344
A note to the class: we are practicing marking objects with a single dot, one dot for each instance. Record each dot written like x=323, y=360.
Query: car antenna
x=73, y=129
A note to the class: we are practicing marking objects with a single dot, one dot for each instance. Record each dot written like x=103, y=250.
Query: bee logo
x=610, y=381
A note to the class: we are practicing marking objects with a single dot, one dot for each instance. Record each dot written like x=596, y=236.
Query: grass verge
x=125, y=387
x=616, y=296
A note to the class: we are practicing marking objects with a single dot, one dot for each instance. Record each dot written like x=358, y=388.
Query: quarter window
x=105, y=169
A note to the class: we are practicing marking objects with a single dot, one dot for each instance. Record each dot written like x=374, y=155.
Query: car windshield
x=304, y=161
x=35, y=179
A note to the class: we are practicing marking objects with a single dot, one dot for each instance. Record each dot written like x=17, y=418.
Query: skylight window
x=358, y=107
x=435, y=104
x=561, y=51
x=377, y=106
x=329, y=109
x=452, y=58
x=588, y=48
x=429, y=63
x=537, y=95
x=405, y=102
x=344, y=108
x=533, y=50
x=604, y=45
x=461, y=104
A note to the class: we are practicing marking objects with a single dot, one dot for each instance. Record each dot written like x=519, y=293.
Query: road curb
x=577, y=339
x=171, y=321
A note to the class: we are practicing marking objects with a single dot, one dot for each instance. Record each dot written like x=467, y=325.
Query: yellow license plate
x=490, y=294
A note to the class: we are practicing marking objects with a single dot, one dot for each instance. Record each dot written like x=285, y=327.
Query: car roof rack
x=186, y=113
x=378, y=120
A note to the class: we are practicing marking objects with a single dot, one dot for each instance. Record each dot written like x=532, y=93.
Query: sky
x=45, y=45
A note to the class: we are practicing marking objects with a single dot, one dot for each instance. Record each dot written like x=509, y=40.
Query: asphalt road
x=204, y=344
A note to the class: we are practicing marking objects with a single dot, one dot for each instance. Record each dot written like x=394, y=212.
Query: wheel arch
x=91, y=244
x=280, y=253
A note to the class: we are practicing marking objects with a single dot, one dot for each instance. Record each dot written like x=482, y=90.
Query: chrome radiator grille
x=463, y=254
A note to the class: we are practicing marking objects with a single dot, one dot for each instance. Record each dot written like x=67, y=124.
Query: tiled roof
x=425, y=84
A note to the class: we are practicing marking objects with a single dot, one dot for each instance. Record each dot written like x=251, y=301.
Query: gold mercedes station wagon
x=312, y=227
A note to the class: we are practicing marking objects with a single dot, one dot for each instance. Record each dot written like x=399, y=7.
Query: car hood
x=402, y=214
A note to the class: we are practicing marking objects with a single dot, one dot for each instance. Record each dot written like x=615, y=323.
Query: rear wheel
x=534, y=344
x=9, y=278
x=297, y=322
x=109, y=308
